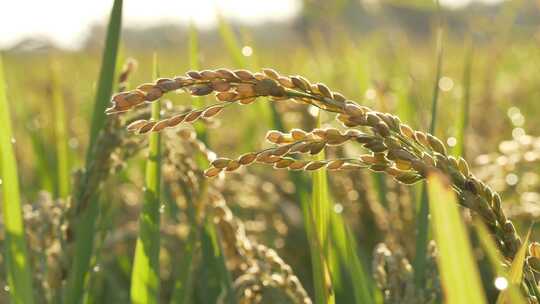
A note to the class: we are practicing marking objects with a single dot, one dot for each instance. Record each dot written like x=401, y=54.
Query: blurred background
x=75, y=25
x=381, y=53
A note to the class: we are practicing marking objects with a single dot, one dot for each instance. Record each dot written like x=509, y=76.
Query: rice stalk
x=182, y=291
x=207, y=230
x=261, y=267
x=145, y=280
x=317, y=217
x=422, y=237
x=463, y=121
x=194, y=63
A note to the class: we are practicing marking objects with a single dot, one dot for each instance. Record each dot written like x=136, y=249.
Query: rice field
x=327, y=166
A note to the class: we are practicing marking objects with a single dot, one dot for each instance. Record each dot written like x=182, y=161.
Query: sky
x=66, y=22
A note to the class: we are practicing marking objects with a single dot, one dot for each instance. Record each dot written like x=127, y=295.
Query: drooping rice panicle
x=405, y=154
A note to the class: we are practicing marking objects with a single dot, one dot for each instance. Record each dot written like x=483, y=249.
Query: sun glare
x=67, y=22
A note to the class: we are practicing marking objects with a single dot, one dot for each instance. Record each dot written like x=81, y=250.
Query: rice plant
x=395, y=148
x=122, y=184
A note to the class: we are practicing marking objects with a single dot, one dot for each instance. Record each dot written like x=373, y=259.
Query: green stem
x=422, y=238
x=145, y=279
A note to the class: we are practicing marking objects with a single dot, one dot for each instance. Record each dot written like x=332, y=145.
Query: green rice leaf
x=347, y=249
x=264, y=110
x=231, y=43
x=182, y=290
x=516, y=269
x=215, y=271
x=488, y=244
x=61, y=134
x=84, y=232
x=496, y=261
x=515, y=274
x=183, y=285
x=16, y=254
x=44, y=163
x=460, y=278
x=106, y=74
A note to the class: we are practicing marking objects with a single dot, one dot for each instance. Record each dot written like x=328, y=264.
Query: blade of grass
x=183, y=285
x=226, y=276
x=94, y=285
x=84, y=232
x=194, y=64
x=44, y=164
x=212, y=249
x=346, y=247
x=379, y=179
x=321, y=275
x=182, y=290
x=215, y=270
x=405, y=101
x=145, y=276
x=435, y=100
x=16, y=254
x=231, y=42
x=422, y=226
x=496, y=261
x=317, y=217
x=206, y=233
x=106, y=74
x=459, y=274
x=493, y=254
x=515, y=274
x=60, y=132
x=266, y=111
x=210, y=273
x=83, y=253
x=463, y=121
